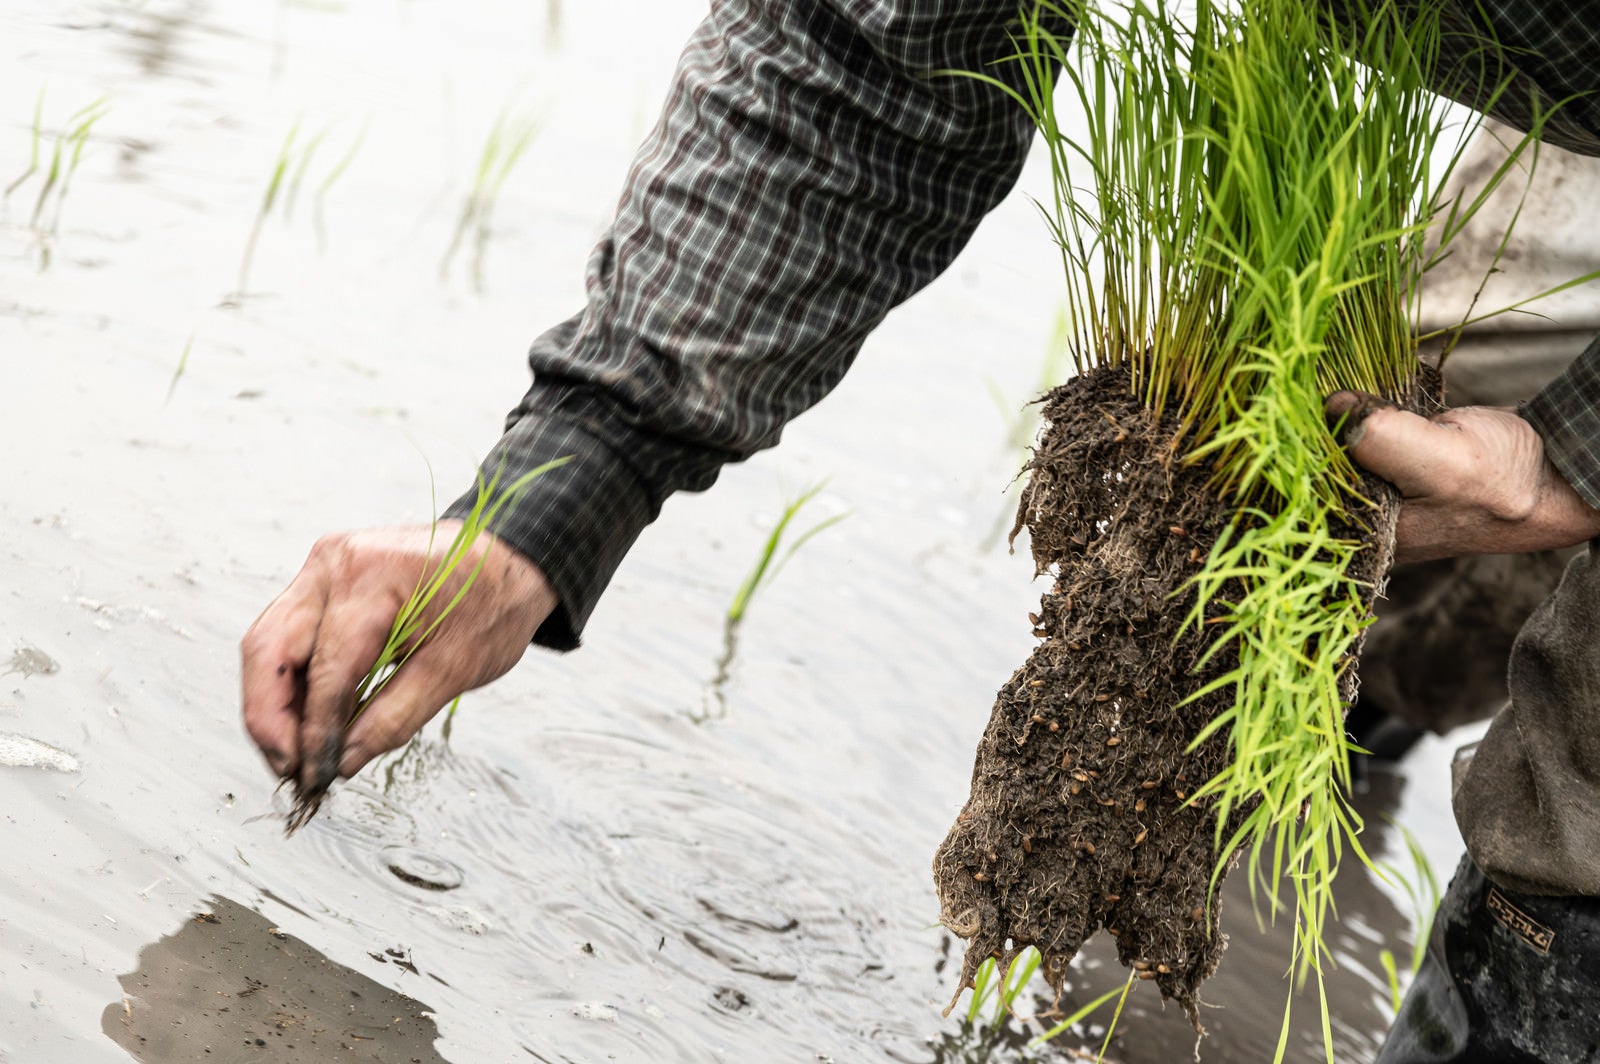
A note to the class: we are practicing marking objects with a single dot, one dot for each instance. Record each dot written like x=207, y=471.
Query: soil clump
x=1078, y=816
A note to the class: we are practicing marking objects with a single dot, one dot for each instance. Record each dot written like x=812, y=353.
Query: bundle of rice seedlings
x=1243, y=233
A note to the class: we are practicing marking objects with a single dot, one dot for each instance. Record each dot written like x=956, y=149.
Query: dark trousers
x=1509, y=979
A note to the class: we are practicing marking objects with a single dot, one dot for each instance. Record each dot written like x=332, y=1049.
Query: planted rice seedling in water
x=508, y=140
x=182, y=367
x=436, y=595
x=1422, y=887
x=1243, y=229
x=66, y=152
x=289, y=171
x=769, y=561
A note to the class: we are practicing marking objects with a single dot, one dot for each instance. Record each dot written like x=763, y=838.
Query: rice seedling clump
x=1242, y=228
x=1081, y=815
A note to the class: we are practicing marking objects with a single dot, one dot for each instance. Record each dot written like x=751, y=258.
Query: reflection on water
x=228, y=986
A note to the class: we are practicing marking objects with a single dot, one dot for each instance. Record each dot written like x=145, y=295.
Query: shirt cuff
x=574, y=522
x=1566, y=414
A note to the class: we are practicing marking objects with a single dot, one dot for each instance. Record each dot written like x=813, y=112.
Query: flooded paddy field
x=247, y=297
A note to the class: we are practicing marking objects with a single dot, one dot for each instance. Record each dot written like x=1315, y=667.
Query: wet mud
x=230, y=987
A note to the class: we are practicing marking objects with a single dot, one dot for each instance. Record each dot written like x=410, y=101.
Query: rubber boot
x=1508, y=979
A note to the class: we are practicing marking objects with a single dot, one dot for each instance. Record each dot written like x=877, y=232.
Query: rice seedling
x=331, y=178
x=288, y=175
x=422, y=613
x=182, y=367
x=1422, y=887
x=769, y=561
x=994, y=998
x=66, y=152
x=269, y=199
x=33, y=147
x=771, y=558
x=508, y=141
x=1242, y=229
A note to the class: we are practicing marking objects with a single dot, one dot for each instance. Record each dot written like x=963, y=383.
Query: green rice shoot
x=66, y=153
x=419, y=617
x=289, y=174
x=509, y=139
x=769, y=561
x=994, y=997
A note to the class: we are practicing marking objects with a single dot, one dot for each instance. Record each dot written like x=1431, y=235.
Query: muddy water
x=610, y=858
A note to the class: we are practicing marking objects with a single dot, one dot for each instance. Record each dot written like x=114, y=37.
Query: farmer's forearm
x=806, y=176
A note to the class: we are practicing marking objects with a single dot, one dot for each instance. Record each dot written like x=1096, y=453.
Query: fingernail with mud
x=1354, y=408
x=323, y=769
x=277, y=761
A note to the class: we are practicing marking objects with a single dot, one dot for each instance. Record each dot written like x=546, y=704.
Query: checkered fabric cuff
x=1567, y=415
x=575, y=522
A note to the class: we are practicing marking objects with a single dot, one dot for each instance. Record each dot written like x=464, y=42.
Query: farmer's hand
x=304, y=655
x=1473, y=480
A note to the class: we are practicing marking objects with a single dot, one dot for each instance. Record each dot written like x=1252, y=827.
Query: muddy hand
x=1473, y=480
x=306, y=654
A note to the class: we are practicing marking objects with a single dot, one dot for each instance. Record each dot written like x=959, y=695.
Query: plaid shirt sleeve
x=1566, y=414
x=807, y=174
x=1547, y=56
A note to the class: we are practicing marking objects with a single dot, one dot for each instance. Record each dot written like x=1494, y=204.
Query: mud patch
x=229, y=987
x=1078, y=816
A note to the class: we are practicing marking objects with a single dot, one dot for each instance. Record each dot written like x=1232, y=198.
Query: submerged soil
x=1077, y=818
